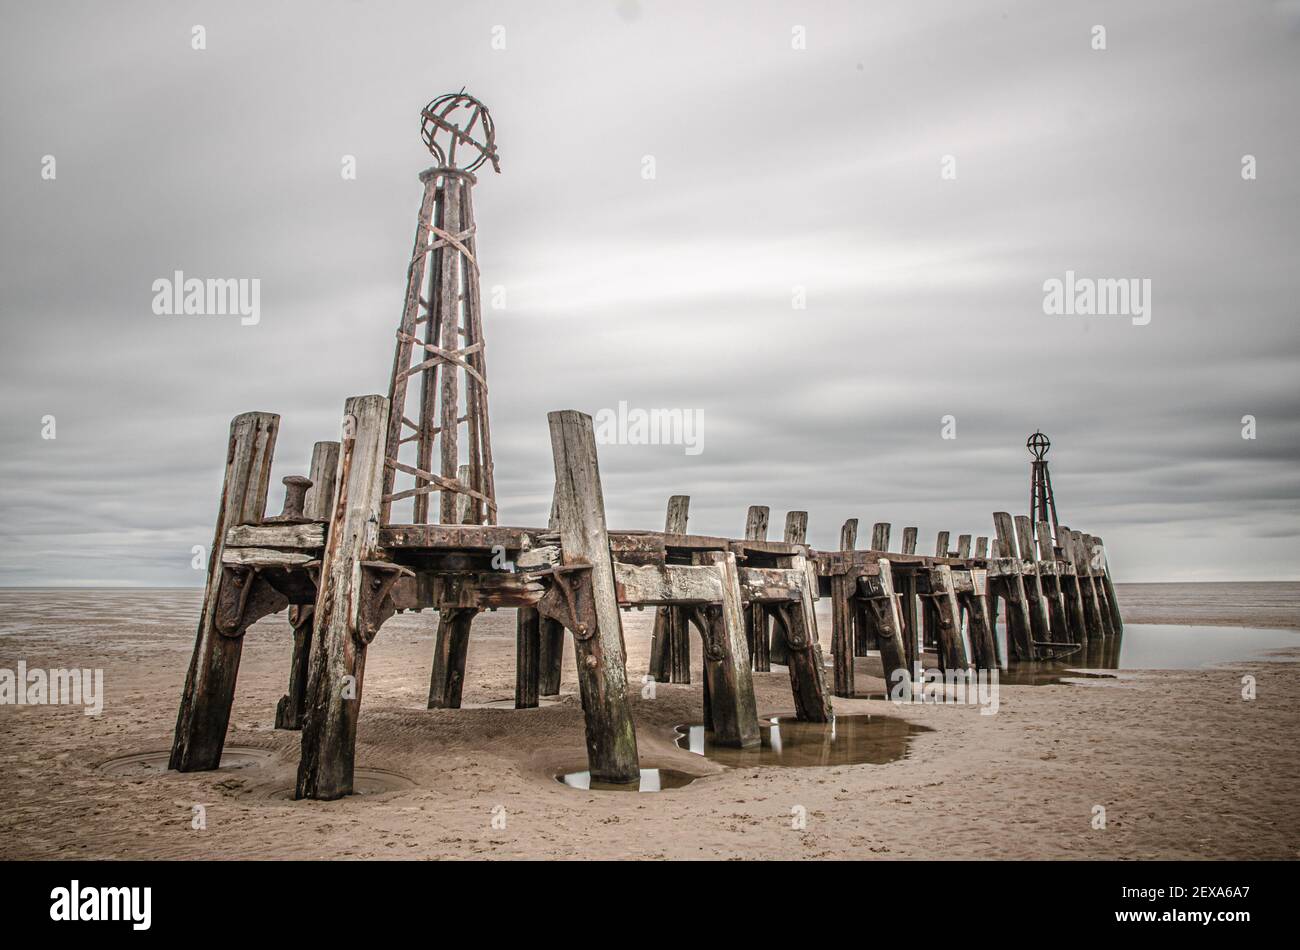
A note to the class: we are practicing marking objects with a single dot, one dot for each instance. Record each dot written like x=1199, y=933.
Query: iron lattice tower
x=440, y=338
x=1042, y=503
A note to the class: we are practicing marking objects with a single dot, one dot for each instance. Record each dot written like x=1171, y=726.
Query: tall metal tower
x=1042, y=503
x=440, y=338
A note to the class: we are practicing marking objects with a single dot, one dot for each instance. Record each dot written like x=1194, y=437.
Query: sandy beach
x=1184, y=767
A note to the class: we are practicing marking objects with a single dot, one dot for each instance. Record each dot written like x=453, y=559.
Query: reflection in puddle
x=1045, y=673
x=652, y=780
x=1142, y=646
x=1150, y=646
x=845, y=740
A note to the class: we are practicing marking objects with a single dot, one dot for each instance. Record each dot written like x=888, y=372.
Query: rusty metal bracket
x=244, y=598
x=711, y=633
x=375, y=603
x=570, y=601
x=796, y=637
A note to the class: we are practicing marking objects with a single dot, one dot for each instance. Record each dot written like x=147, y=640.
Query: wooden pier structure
x=341, y=562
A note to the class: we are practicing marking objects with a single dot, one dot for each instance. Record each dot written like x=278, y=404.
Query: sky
x=800, y=150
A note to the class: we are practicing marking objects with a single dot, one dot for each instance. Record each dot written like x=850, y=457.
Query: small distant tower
x=440, y=338
x=1042, y=503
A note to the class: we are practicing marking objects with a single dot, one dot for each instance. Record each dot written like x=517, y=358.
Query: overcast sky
x=775, y=168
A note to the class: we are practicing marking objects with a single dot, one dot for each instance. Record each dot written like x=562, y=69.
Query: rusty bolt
x=591, y=662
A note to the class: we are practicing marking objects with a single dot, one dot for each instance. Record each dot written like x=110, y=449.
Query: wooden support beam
x=886, y=619
x=842, y=615
x=843, y=641
x=726, y=661
x=981, y=548
x=528, y=651
x=1108, y=608
x=550, y=657
x=1040, y=623
x=1087, y=589
x=796, y=532
x=1072, y=589
x=602, y=674
x=214, y=665
x=1053, y=588
x=757, y=623
x=349, y=607
x=911, y=625
x=290, y=709
x=1117, y=621
x=670, y=645
x=448, y=382
x=798, y=624
x=909, y=540
x=1012, y=584
x=880, y=536
x=963, y=546
x=450, y=651
x=1093, y=554
x=982, y=640
x=952, y=649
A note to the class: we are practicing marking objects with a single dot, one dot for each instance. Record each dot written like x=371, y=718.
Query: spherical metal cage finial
x=458, y=128
x=1038, y=445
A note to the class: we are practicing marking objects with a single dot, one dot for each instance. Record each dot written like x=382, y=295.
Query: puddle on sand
x=155, y=763
x=845, y=740
x=652, y=780
x=364, y=782
x=1152, y=646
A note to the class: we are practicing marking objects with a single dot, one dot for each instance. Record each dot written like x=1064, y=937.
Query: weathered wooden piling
x=1072, y=588
x=880, y=610
x=952, y=648
x=726, y=661
x=451, y=649
x=858, y=635
x=1053, y=586
x=1012, y=584
x=1097, y=566
x=1040, y=623
x=1087, y=588
x=1117, y=622
x=798, y=626
x=670, y=643
x=972, y=594
x=550, y=657
x=591, y=614
x=528, y=655
x=351, y=604
x=796, y=532
x=214, y=666
x=757, y=622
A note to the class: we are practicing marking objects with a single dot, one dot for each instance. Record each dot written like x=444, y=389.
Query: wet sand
x=1184, y=767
